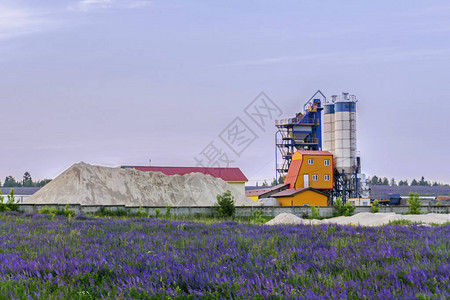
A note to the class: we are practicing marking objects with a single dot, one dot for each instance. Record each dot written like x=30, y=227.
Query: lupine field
x=100, y=258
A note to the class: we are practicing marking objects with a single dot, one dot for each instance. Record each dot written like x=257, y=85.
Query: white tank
x=345, y=133
x=328, y=128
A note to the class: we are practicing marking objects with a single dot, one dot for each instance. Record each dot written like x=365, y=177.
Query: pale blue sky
x=119, y=82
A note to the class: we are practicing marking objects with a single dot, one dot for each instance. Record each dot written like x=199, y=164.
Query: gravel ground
x=363, y=219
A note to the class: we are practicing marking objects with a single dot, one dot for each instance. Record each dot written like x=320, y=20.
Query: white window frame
x=326, y=162
x=315, y=177
x=326, y=177
x=310, y=161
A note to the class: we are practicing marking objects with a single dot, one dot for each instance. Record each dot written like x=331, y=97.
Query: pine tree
x=423, y=182
x=374, y=180
x=11, y=182
x=27, y=180
x=403, y=183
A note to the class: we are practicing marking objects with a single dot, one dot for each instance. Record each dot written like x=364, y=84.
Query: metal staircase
x=303, y=132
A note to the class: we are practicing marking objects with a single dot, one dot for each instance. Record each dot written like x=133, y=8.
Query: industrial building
x=310, y=169
x=257, y=194
x=318, y=164
x=301, y=197
x=304, y=132
x=233, y=176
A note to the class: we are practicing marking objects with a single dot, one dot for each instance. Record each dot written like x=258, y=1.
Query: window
x=326, y=162
x=310, y=161
x=315, y=177
x=327, y=177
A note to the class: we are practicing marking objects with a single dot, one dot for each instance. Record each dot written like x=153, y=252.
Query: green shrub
x=157, y=212
x=403, y=222
x=375, y=207
x=121, y=212
x=225, y=206
x=168, y=214
x=414, y=204
x=66, y=212
x=141, y=213
x=2, y=206
x=52, y=210
x=11, y=204
x=48, y=210
x=104, y=212
x=315, y=212
x=257, y=217
x=343, y=210
x=438, y=204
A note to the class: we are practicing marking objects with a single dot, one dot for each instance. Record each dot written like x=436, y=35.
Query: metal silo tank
x=345, y=133
x=328, y=128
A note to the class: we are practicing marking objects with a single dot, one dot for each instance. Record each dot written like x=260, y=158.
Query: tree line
x=375, y=180
x=27, y=181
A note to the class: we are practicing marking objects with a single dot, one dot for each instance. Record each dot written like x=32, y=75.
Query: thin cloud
x=277, y=60
x=15, y=21
x=363, y=56
x=94, y=5
x=427, y=11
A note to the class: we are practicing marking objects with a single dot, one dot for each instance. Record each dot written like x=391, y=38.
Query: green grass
x=443, y=224
x=403, y=222
x=206, y=219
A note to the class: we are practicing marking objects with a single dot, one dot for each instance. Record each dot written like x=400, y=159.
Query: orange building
x=300, y=197
x=310, y=169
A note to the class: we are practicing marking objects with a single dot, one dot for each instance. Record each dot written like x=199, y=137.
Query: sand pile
x=362, y=219
x=290, y=219
x=95, y=185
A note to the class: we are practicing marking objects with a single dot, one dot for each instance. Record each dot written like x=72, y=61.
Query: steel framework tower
x=304, y=132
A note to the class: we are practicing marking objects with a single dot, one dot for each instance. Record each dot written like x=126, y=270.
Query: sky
x=136, y=82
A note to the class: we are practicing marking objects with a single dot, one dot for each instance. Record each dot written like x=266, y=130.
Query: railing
x=287, y=135
x=297, y=121
x=347, y=97
x=286, y=121
x=312, y=107
x=310, y=141
x=282, y=167
x=287, y=154
x=286, y=141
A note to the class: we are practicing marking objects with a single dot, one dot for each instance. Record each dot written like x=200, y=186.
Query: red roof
x=227, y=174
x=292, y=192
x=289, y=192
x=259, y=192
x=314, y=152
x=294, y=169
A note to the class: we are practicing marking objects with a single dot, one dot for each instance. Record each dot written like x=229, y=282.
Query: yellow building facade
x=301, y=197
x=311, y=169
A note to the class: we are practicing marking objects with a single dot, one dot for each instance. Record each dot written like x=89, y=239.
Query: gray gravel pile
x=96, y=185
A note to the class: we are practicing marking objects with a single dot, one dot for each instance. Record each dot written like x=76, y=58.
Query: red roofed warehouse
x=233, y=176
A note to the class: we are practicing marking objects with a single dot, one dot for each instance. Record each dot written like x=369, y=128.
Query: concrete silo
x=339, y=131
x=345, y=133
x=339, y=138
x=328, y=127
